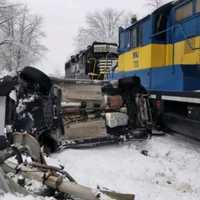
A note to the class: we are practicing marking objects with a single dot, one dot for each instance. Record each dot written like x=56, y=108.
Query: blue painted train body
x=165, y=50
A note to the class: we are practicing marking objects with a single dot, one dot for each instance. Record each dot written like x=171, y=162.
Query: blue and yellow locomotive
x=163, y=49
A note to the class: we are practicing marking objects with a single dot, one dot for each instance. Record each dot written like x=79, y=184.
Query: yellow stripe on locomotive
x=163, y=49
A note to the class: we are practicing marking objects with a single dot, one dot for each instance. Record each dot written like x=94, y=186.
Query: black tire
x=50, y=144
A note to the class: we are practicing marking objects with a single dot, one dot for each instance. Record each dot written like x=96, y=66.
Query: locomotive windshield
x=184, y=11
x=105, y=48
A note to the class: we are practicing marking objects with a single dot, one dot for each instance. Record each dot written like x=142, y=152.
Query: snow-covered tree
x=101, y=26
x=154, y=4
x=20, y=35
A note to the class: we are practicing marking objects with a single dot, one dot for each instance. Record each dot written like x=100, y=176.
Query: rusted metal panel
x=88, y=129
x=115, y=102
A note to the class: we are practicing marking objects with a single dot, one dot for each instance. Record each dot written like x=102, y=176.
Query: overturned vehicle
x=123, y=114
x=30, y=103
x=31, y=117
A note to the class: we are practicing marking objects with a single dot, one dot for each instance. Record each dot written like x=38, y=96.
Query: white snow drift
x=162, y=168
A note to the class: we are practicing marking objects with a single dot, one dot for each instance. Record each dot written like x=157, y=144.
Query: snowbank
x=170, y=170
x=18, y=197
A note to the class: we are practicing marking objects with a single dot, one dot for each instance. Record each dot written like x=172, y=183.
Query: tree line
x=21, y=32
x=102, y=26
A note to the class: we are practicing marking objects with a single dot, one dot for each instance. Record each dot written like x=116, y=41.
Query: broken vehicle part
x=7, y=185
x=53, y=177
x=116, y=119
x=60, y=184
x=23, y=140
x=30, y=102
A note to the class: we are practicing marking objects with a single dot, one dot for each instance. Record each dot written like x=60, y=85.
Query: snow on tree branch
x=154, y=4
x=20, y=36
x=101, y=26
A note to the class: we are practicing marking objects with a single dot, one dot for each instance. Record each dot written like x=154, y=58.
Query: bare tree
x=101, y=26
x=20, y=35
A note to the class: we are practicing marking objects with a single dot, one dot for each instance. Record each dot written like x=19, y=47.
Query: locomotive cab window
x=124, y=40
x=160, y=27
x=184, y=11
x=197, y=5
x=122, y=43
x=134, y=38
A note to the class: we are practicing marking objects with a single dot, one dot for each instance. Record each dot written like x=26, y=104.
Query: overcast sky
x=62, y=19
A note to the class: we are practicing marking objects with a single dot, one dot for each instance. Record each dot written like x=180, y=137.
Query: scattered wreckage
x=16, y=171
x=31, y=102
x=32, y=116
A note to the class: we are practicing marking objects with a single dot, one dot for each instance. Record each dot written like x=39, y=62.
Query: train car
x=95, y=63
x=163, y=49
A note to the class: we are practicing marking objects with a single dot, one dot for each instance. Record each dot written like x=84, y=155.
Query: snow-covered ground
x=169, y=171
x=18, y=197
x=6, y=73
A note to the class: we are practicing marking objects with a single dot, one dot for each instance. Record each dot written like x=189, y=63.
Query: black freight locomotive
x=95, y=63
